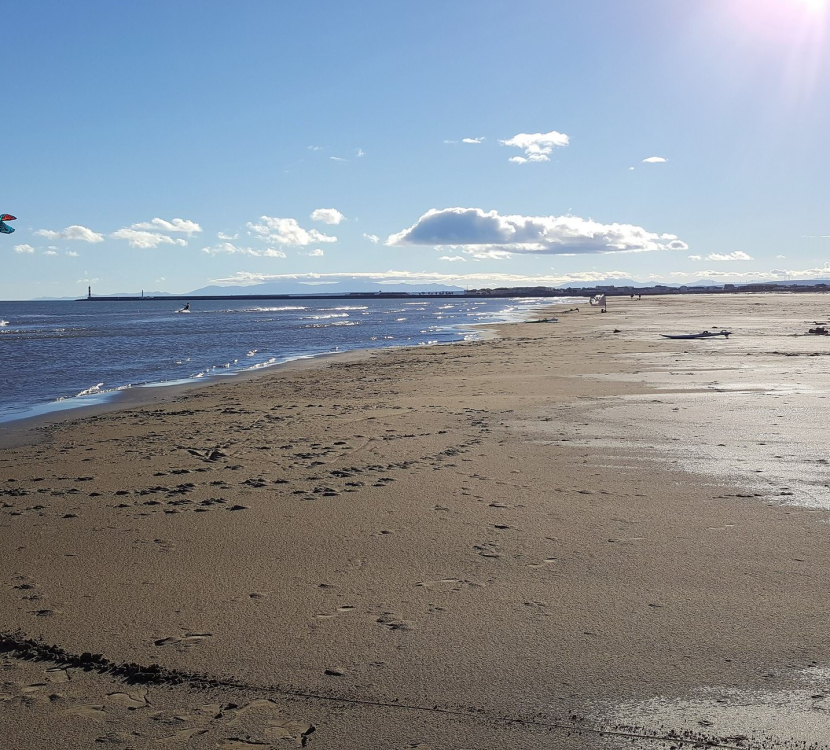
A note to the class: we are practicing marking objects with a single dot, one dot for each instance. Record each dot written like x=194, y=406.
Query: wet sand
x=520, y=542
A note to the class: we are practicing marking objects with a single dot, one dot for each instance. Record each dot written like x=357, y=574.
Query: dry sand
x=563, y=537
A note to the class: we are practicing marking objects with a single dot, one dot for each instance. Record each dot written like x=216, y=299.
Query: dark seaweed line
x=18, y=646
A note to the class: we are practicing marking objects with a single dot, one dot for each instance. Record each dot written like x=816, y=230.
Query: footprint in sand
x=393, y=622
x=188, y=640
x=182, y=735
x=454, y=584
x=545, y=562
x=92, y=711
x=131, y=701
x=340, y=610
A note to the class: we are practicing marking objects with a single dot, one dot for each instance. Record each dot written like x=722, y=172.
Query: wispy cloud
x=476, y=231
x=74, y=232
x=327, y=215
x=695, y=257
x=223, y=236
x=373, y=238
x=24, y=249
x=144, y=239
x=287, y=232
x=337, y=158
x=316, y=253
x=72, y=254
x=472, y=141
x=228, y=248
x=453, y=258
x=537, y=146
x=654, y=160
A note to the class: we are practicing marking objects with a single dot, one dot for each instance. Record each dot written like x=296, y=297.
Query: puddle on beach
x=795, y=717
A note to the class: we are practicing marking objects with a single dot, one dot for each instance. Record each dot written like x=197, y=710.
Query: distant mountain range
x=341, y=287
x=348, y=285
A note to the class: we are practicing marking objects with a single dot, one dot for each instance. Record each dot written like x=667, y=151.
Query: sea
x=57, y=355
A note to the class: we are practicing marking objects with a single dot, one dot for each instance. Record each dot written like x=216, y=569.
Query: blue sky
x=166, y=146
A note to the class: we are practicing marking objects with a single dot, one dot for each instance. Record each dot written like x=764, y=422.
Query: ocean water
x=58, y=355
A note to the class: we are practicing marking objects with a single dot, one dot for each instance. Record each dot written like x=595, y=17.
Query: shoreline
x=20, y=431
x=510, y=530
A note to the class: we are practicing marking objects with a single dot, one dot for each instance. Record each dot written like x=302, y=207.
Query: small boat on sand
x=701, y=335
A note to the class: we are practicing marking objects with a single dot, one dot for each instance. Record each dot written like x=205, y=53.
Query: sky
x=168, y=146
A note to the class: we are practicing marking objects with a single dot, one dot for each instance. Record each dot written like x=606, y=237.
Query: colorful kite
x=5, y=228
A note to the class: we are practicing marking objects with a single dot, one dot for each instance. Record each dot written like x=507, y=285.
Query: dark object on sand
x=617, y=330
x=819, y=331
x=702, y=335
x=545, y=320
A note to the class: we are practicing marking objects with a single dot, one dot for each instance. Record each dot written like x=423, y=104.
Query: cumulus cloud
x=327, y=215
x=695, y=257
x=50, y=252
x=228, y=248
x=737, y=255
x=74, y=232
x=654, y=160
x=73, y=254
x=143, y=239
x=537, y=146
x=316, y=253
x=775, y=274
x=478, y=231
x=24, y=249
x=478, y=140
x=223, y=236
x=287, y=232
x=453, y=258
x=175, y=225
x=373, y=238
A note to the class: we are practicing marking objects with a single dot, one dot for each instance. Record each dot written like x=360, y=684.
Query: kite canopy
x=5, y=228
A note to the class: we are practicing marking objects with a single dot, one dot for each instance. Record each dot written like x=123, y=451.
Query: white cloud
x=327, y=215
x=447, y=142
x=360, y=153
x=373, y=238
x=695, y=257
x=176, y=225
x=315, y=148
x=24, y=249
x=316, y=253
x=337, y=158
x=737, y=255
x=73, y=254
x=453, y=258
x=780, y=257
x=746, y=277
x=143, y=239
x=537, y=146
x=287, y=232
x=74, y=232
x=476, y=231
x=654, y=160
x=631, y=169
x=50, y=251
x=478, y=140
x=228, y=248
x=223, y=236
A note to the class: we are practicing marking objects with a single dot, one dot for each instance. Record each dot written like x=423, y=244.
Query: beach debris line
x=19, y=646
x=5, y=228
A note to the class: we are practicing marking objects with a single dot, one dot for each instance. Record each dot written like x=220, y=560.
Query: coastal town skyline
x=470, y=145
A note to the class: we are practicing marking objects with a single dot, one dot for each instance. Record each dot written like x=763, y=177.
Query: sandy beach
x=576, y=534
